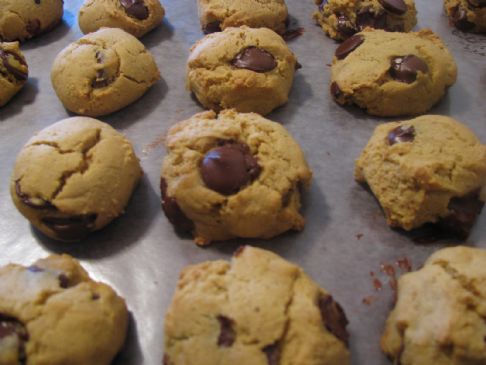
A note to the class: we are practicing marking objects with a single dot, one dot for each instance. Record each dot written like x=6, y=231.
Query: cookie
x=53, y=313
x=440, y=311
x=217, y=15
x=24, y=19
x=250, y=70
x=13, y=71
x=391, y=73
x=340, y=19
x=232, y=175
x=259, y=309
x=428, y=169
x=467, y=15
x=103, y=72
x=74, y=177
x=136, y=17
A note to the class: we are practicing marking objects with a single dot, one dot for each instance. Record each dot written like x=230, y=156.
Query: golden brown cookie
x=467, y=15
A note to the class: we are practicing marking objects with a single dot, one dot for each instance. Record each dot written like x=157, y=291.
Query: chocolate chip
x=135, y=8
x=228, y=168
x=212, y=27
x=348, y=46
x=459, y=19
x=239, y=251
x=173, y=212
x=333, y=317
x=37, y=1
x=401, y=134
x=367, y=18
x=166, y=360
x=291, y=34
x=298, y=66
x=95, y=296
x=335, y=90
x=63, y=281
x=102, y=79
x=405, y=68
x=343, y=26
x=227, y=334
x=273, y=354
x=463, y=213
x=394, y=6
x=13, y=63
x=33, y=27
x=12, y=327
x=71, y=228
x=36, y=203
x=255, y=59
x=477, y=3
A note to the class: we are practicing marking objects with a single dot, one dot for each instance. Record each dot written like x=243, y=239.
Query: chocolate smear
x=333, y=317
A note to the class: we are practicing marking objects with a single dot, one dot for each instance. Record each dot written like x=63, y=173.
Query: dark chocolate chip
x=459, y=19
x=298, y=66
x=405, y=68
x=95, y=296
x=228, y=168
x=394, y=6
x=19, y=74
x=71, y=228
x=333, y=317
x=135, y=8
x=227, y=334
x=348, y=46
x=37, y=1
x=273, y=354
x=477, y=3
x=344, y=27
x=173, y=212
x=255, y=59
x=36, y=203
x=33, y=27
x=212, y=27
x=463, y=213
x=63, y=281
x=367, y=18
x=401, y=134
x=335, y=90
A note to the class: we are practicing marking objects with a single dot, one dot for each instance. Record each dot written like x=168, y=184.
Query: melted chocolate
x=333, y=317
x=255, y=59
x=173, y=212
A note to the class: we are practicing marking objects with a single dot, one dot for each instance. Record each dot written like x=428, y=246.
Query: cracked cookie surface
x=103, y=72
x=392, y=73
x=251, y=70
x=13, y=71
x=217, y=15
x=53, y=313
x=440, y=314
x=259, y=309
x=340, y=19
x=428, y=169
x=24, y=19
x=74, y=177
x=136, y=17
x=233, y=175
x=467, y=15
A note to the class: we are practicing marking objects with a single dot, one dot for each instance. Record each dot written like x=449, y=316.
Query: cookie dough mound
x=251, y=70
x=136, y=17
x=53, y=313
x=467, y=15
x=439, y=315
x=74, y=177
x=259, y=310
x=391, y=73
x=217, y=15
x=340, y=19
x=13, y=71
x=103, y=72
x=428, y=169
x=232, y=175
x=24, y=19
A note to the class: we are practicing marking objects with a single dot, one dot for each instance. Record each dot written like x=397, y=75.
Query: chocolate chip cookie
x=392, y=73
x=74, y=178
x=136, y=17
x=217, y=15
x=340, y=19
x=232, y=175
x=428, y=169
x=259, y=310
x=103, y=72
x=24, y=19
x=53, y=313
x=440, y=311
x=250, y=70
x=467, y=15
x=13, y=71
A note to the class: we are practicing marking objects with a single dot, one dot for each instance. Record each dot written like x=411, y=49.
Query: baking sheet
x=345, y=238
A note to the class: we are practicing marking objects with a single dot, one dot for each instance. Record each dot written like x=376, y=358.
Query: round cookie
x=226, y=174
x=340, y=19
x=136, y=17
x=391, y=73
x=250, y=70
x=428, y=169
x=259, y=310
x=467, y=15
x=103, y=72
x=24, y=19
x=53, y=313
x=217, y=15
x=13, y=71
x=439, y=315
x=74, y=178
